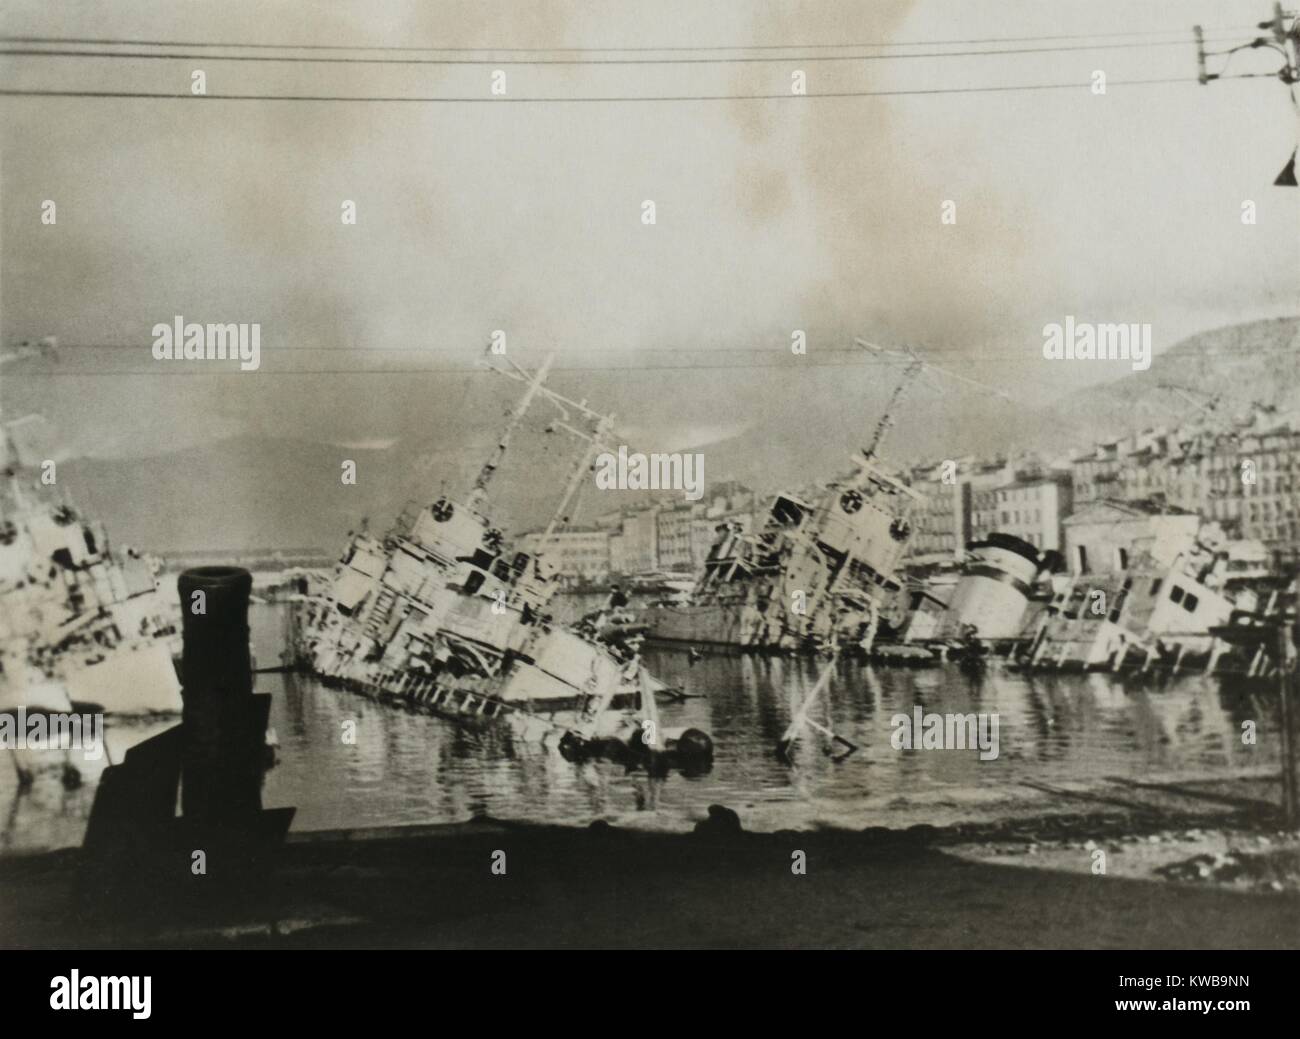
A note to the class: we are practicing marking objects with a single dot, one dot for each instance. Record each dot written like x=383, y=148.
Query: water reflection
x=410, y=768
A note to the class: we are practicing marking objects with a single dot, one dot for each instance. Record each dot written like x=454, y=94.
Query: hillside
x=1258, y=361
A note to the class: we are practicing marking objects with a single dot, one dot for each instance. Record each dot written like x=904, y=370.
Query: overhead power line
x=959, y=352
x=161, y=371
x=1283, y=39
x=778, y=359
x=30, y=52
x=639, y=49
x=601, y=99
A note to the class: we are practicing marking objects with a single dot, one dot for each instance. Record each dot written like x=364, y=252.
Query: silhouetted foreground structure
x=603, y=887
x=135, y=842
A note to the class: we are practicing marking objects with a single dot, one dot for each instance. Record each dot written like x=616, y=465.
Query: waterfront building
x=1032, y=508
x=674, y=537
x=941, y=519
x=1095, y=474
x=581, y=553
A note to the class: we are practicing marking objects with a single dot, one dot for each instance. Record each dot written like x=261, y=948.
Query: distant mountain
x=262, y=492
x=1254, y=362
x=236, y=493
x=266, y=492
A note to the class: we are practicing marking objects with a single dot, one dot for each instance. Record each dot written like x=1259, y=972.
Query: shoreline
x=943, y=807
x=1025, y=881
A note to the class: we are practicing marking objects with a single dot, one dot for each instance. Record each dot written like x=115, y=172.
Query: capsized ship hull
x=441, y=614
x=75, y=611
x=712, y=624
x=816, y=576
x=444, y=619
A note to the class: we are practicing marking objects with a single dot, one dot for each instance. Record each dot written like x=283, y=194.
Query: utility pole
x=1284, y=37
x=1287, y=37
x=1286, y=662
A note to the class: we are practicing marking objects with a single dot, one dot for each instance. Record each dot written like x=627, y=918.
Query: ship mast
x=913, y=369
x=9, y=449
x=595, y=440
x=479, y=493
x=48, y=347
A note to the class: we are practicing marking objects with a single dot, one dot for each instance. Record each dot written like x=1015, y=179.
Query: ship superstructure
x=1151, y=613
x=442, y=613
x=73, y=611
x=816, y=574
x=820, y=574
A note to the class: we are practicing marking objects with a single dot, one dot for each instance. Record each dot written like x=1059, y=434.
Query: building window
x=1175, y=594
x=1190, y=603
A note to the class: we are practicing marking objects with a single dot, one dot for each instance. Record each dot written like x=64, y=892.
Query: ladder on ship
x=382, y=611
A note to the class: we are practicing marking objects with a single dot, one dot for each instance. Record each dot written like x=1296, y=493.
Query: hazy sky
x=815, y=214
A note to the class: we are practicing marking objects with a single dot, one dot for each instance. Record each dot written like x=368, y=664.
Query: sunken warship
x=818, y=576
x=441, y=613
x=83, y=628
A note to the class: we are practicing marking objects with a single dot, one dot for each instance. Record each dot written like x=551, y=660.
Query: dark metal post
x=1285, y=710
x=224, y=727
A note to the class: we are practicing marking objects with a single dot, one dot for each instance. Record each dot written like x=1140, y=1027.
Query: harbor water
x=397, y=767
